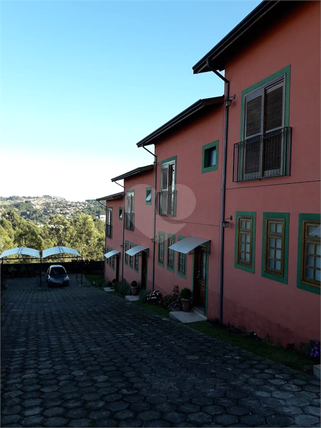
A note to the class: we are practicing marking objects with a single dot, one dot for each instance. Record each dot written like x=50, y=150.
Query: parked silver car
x=57, y=276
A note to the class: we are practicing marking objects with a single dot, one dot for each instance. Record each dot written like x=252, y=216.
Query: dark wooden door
x=144, y=270
x=200, y=270
x=117, y=267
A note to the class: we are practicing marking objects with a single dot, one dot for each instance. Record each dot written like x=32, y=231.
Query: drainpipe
x=123, y=244
x=154, y=221
x=227, y=105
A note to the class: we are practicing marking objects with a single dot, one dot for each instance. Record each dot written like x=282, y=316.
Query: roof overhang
x=111, y=254
x=137, y=171
x=22, y=251
x=195, y=110
x=59, y=250
x=254, y=24
x=111, y=197
x=135, y=250
x=187, y=245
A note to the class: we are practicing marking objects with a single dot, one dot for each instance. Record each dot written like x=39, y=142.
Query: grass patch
x=283, y=356
x=153, y=308
x=96, y=280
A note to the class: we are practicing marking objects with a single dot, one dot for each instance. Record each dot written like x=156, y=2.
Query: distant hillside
x=41, y=209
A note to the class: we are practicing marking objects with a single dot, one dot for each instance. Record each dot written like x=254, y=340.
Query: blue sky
x=83, y=81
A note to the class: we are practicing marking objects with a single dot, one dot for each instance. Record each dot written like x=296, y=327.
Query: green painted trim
x=286, y=218
x=173, y=158
x=126, y=248
x=158, y=262
x=252, y=215
x=147, y=189
x=214, y=144
x=178, y=272
x=300, y=284
x=170, y=235
x=120, y=210
x=284, y=71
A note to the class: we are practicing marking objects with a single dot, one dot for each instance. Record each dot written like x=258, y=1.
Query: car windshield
x=58, y=271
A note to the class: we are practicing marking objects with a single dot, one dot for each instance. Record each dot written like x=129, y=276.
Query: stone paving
x=80, y=357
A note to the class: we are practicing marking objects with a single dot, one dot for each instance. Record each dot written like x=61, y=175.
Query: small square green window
x=210, y=157
x=148, y=197
x=120, y=214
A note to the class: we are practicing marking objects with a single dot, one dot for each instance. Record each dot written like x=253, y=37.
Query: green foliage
x=186, y=293
x=123, y=288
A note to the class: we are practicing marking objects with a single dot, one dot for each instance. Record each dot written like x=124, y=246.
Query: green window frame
x=210, y=157
x=161, y=248
x=245, y=222
x=170, y=253
x=126, y=255
x=130, y=210
x=181, y=262
x=167, y=195
x=309, y=254
x=148, y=196
x=275, y=246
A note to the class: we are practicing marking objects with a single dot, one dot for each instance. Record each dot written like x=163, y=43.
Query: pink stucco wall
x=143, y=233
x=198, y=202
x=284, y=311
x=116, y=240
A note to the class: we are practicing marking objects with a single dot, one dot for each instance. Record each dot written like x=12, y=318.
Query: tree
x=86, y=238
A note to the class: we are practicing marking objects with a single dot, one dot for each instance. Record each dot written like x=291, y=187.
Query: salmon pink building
x=272, y=254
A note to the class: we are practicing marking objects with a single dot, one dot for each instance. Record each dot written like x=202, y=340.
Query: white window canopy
x=111, y=254
x=186, y=245
x=135, y=250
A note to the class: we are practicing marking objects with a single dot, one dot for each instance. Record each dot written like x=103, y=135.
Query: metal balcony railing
x=263, y=156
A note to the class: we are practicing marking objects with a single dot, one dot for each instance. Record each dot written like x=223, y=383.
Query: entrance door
x=200, y=269
x=144, y=270
x=117, y=267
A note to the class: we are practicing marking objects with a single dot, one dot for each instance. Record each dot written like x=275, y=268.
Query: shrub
x=186, y=293
x=108, y=284
x=134, y=284
x=171, y=301
x=123, y=287
x=143, y=296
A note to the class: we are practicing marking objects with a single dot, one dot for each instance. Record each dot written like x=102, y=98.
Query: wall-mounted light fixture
x=228, y=101
x=226, y=223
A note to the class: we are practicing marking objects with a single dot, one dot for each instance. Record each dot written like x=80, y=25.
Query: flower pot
x=186, y=305
x=134, y=291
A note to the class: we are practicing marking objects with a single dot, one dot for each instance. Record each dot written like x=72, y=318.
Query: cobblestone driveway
x=80, y=357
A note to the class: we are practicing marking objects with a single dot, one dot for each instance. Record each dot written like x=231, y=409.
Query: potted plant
x=186, y=298
x=134, y=288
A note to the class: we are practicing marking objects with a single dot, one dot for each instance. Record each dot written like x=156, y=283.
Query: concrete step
x=132, y=298
x=108, y=289
x=187, y=317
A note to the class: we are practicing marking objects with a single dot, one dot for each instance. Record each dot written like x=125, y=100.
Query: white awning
x=316, y=232
x=59, y=250
x=21, y=250
x=186, y=245
x=111, y=253
x=136, y=250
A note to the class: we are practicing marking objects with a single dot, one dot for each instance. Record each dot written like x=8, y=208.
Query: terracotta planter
x=186, y=305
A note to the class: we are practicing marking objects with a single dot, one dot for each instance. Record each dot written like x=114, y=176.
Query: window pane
x=272, y=227
x=248, y=225
x=317, y=275
x=272, y=242
x=243, y=237
x=248, y=238
x=274, y=108
x=318, y=262
x=272, y=253
x=310, y=248
x=279, y=227
x=242, y=224
x=309, y=273
x=242, y=246
x=278, y=254
x=271, y=264
x=253, y=116
x=278, y=243
x=318, y=250
x=247, y=248
x=247, y=258
x=310, y=261
x=278, y=265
